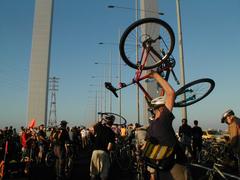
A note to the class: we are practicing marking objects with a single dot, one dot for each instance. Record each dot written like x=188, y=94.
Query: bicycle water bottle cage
x=109, y=86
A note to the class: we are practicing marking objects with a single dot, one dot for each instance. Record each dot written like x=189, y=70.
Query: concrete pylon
x=39, y=65
x=149, y=9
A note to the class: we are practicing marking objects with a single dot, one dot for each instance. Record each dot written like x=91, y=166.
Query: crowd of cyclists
x=44, y=146
x=37, y=144
x=58, y=147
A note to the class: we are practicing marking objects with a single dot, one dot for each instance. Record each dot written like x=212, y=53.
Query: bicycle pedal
x=121, y=85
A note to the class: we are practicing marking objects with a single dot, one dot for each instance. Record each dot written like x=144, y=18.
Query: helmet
x=227, y=113
x=157, y=102
x=109, y=119
x=63, y=123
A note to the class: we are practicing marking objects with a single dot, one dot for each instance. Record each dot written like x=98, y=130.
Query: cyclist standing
x=41, y=137
x=61, y=140
x=104, y=138
x=196, y=139
x=234, y=132
x=185, y=134
x=160, y=131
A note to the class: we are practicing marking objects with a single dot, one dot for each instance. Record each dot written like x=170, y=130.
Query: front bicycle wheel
x=194, y=92
x=50, y=159
x=68, y=167
x=151, y=34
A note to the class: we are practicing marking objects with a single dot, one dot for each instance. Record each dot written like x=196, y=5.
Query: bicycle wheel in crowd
x=119, y=120
x=194, y=92
x=150, y=34
x=50, y=159
x=69, y=167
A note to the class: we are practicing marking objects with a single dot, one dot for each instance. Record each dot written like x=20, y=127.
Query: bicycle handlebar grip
x=109, y=86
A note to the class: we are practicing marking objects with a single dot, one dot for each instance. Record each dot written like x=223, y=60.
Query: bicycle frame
x=166, y=66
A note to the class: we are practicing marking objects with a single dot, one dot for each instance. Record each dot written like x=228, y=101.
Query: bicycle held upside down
x=155, y=43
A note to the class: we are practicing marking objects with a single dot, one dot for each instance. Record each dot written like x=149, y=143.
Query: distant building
x=39, y=66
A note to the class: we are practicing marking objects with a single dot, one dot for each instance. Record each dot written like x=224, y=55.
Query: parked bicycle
x=215, y=172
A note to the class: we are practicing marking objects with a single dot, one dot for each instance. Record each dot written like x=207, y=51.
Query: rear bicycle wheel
x=194, y=91
x=119, y=119
x=50, y=159
x=69, y=167
x=148, y=33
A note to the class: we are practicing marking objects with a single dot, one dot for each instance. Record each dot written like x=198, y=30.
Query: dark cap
x=63, y=123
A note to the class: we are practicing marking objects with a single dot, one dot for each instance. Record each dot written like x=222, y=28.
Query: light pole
x=105, y=92
x=138, y=103
x=98, y=91
x=120, y=73
x=96, y=104
x=120, y=79
x=137, y=88
x=181, y=57
x=134, y=9
x=110, y=77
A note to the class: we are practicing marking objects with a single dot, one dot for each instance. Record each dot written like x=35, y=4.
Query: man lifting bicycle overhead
x=161, y=133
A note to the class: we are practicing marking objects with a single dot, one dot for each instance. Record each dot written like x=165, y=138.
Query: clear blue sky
x=211, y=39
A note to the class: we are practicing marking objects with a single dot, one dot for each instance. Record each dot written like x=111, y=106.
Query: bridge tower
x=39, y=65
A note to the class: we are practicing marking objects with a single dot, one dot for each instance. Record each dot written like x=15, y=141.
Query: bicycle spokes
x=194, y=92
x=152, y=34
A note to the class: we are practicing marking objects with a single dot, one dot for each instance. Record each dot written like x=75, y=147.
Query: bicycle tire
x=194, y=91
x=69, y=167
x=165, y=43
x=50, y=159
x=119, y=119
x=124, y=160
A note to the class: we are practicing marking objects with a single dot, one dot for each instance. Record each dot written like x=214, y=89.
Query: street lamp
x=100, y=92
x=120, y=72
x=110, y=77
x=105, y=93
x=96, y=105
x=181, y=57
x=135, y=9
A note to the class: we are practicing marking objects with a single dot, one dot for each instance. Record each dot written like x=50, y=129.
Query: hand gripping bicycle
x=147, y=44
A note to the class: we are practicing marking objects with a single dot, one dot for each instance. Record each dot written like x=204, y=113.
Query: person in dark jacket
x=61, y=140
x=196, y=139
x=103, y=142
x=185, y=134
x=161, y=133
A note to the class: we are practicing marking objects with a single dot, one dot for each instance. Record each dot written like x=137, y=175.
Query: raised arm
x=169, y=91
